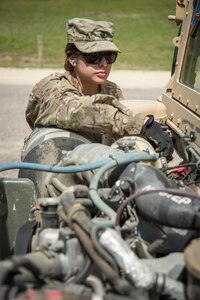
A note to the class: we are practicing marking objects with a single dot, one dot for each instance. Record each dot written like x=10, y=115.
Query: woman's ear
x=72, y=61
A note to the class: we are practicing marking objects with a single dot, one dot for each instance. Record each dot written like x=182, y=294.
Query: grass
x=143, y=32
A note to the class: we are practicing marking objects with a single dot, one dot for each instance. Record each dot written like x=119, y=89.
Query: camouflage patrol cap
x=91, y=36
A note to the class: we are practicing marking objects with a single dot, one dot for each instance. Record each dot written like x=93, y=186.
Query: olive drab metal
x=182, y=95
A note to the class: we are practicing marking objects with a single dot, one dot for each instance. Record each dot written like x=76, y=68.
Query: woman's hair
x=69, y=51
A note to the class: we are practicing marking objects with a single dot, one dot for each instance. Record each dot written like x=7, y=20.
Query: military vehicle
x=113, y=220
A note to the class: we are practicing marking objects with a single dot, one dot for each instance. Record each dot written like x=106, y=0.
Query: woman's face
x=90, y=76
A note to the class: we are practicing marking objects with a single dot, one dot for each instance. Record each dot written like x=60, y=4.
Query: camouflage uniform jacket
x=57, y=101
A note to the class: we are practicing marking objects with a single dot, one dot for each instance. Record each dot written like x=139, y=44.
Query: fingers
x=168, y=150
x=161, y=147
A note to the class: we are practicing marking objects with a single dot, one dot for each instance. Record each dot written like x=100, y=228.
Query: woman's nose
x=103, y=62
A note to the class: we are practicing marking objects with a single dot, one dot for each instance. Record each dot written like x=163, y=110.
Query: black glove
x=153, y=131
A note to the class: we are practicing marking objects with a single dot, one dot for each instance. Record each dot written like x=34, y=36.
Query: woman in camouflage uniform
x=82, y=99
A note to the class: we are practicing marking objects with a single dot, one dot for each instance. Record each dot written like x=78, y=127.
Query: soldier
x=82, y=99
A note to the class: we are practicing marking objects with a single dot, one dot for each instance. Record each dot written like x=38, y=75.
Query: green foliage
x=143, y=32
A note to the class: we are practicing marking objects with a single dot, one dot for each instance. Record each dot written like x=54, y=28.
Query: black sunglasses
x=96, y=57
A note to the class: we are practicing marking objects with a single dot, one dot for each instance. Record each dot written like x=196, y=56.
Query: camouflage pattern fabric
x=91, y=36
x=57, y=101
